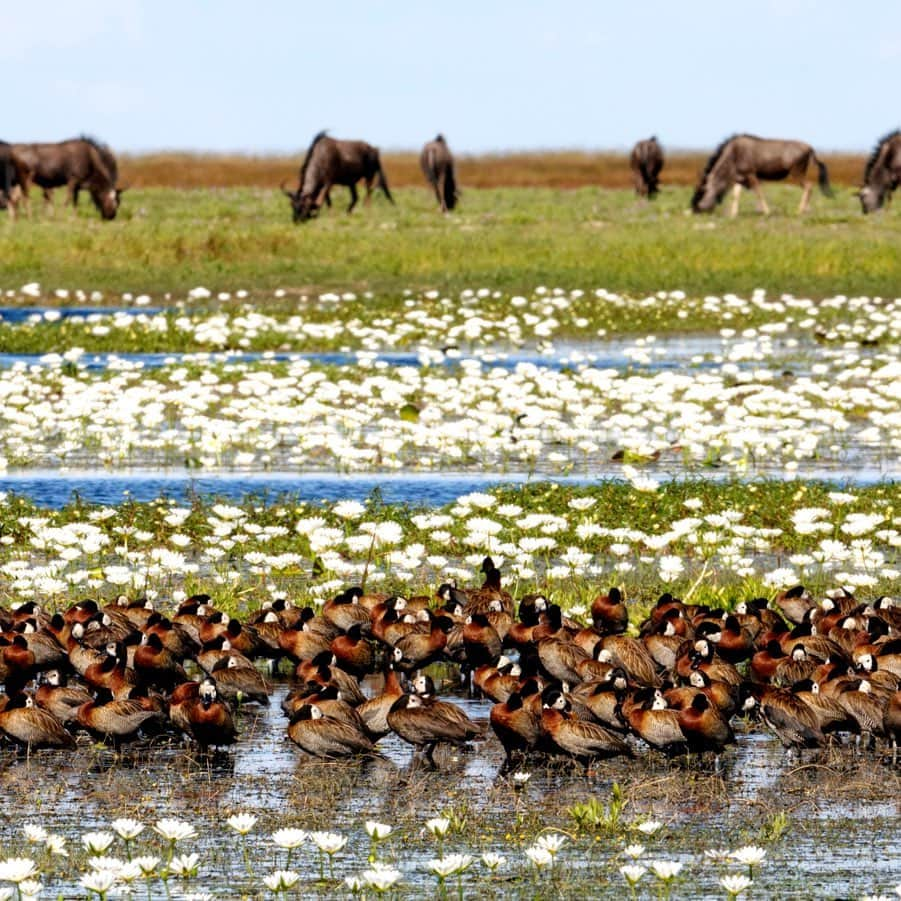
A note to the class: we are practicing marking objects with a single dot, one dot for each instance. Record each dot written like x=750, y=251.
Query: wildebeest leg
x=48, y=201
x=368, y=182
x=73, y=196
x=354, y=197
x=736, y=193
x=806, y=189
x=761, y=200
x=439, y=190
x=15, y=198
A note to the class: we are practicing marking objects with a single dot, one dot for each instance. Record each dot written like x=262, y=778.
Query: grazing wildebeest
x=79, y=164
x=646, y=161
x=882, y=173
x=13, y=173
x=438, y=167
x=743, y=161
x=331, y=162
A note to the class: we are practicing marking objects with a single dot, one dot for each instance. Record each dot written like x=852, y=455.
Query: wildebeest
x=743, y=161
x=646, y=161
x=882, y=173
x=79, y=164
x=438, y=167
x=331, y=162
x=13, y=173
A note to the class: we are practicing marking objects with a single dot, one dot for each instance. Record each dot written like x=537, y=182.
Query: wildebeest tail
x=383, y=182
x=825, y=187
x=450, y=188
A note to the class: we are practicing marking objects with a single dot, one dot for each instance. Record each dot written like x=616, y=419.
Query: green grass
x=506, y=239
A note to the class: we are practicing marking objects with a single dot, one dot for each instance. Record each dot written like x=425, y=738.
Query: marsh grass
x=168, y=240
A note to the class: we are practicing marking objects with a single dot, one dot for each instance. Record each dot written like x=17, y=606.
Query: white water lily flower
x=290, y=838
x=242, y=823
x=329, y=842
x=97, y=842
x=98, y=881
x=355, y=884
x=378, y=831
x=718, y=855
x=634, y=851
x=449, y=864
x=666, y=869
x=113, y=864
x=129, y=871
x=735, y=884
x=281, y=880
x=17, y=869
x=148, y=864
x=184, y=865
x=749, y=855
x=56, y=844
x=30, y=889
x=438, y=826
x=540, y=857
x=552, y=843
x=127, y=828
x=35, y=833
x=381, y=878
x=632, y=873
x=649, y=827
x=520, y=778
x=493, y=860
x=7, y=894
x=175, y=830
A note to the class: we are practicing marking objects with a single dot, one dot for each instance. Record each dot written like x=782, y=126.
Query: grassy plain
x=170, y=240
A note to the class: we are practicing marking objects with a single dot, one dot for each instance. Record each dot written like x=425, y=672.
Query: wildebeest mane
x=711, y=162
x=106, y=155
x=876, y=151
x=306, y=160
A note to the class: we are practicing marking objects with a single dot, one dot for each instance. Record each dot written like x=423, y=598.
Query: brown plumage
x=203, y=715
x=517, y=726
x=649, y=717
x=632, y=656
x=609, y=614
x=579, y=739
x=791, y=719
x=60, y=699
x=31, y=726
x=324, y=736
x=424, y=725
x=353, y=652
x=241, y=684
x=374, y=712
x=117, y=719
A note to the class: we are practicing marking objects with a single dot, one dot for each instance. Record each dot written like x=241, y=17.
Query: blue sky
x=265, y=76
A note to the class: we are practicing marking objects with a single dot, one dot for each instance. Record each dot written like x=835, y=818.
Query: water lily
x=377, y=832
x=649, y=827
x=242, y=823
x=30, y=890
x=35, y=833
x=735, y=884
x=634, y=851
x=56, y=844
x=17, y=869
x=552, y=843
x=281, y=880
x=520, y=779
x=97, y=842
x=493, y=860
x=127, y=829
x=147, y=864
x=750, y=855
x=666, y=871
x=539, y=857
x=438, y=826
x=328, y=843
x=175, y=830
x=290, y=838
x=381, y=877
x=184, y=865
x=449, y=864
x=632, y=873
x=99, y=882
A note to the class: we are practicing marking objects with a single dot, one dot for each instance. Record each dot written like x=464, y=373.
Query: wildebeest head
x=303, y=206
x=107, y=200
x=871, y=198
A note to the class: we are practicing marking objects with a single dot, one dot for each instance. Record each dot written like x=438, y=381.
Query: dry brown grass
x=552, y=169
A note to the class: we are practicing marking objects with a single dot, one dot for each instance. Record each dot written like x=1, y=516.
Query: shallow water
x=55, y=488
x=71, y=792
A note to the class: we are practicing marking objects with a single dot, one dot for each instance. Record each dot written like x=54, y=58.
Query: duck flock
x=812, y=672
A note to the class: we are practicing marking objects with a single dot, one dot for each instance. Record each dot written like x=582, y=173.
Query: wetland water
x=837, y=804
